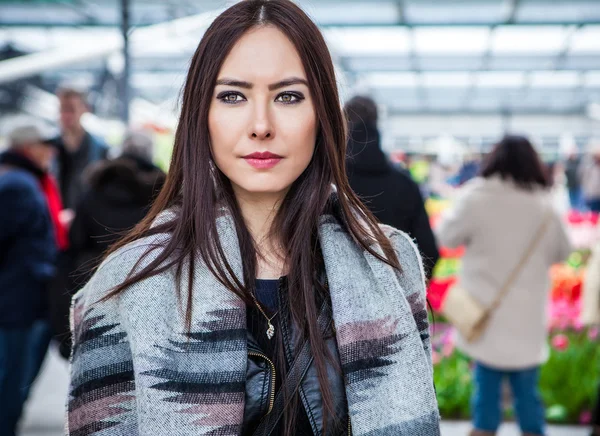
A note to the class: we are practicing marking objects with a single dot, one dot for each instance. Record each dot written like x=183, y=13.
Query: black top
x=71, y=166
x=267, y=296
x=391, y=195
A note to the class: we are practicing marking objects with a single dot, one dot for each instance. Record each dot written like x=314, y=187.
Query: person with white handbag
x=512, y=235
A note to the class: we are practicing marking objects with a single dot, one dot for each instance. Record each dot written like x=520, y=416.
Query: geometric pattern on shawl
x=418, y=308
x=101, y=394
x=363, y=347
x=216, y=397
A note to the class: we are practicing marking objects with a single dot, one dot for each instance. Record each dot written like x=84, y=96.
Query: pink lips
x=263, y=160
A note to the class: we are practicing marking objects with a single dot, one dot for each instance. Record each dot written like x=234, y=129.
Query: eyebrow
x=247, y=85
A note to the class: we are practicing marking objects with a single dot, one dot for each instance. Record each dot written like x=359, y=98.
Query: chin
x=264, y=188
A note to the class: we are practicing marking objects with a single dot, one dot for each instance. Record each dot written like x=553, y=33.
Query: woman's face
x=262, y=120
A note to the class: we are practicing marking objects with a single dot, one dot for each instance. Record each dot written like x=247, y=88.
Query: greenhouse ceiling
x=415, y=56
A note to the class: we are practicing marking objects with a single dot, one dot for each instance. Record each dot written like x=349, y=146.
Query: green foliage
x=453, y=384
x=568, y=381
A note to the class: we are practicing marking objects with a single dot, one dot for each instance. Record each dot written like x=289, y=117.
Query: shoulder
x=118, y=266
x=403, y=178
x=479, y=184
x=99, y=144
x=98, y=141
x=19, y=182
x=19, y=178
x=477, y=190
x=402, y=243
x=408, y=254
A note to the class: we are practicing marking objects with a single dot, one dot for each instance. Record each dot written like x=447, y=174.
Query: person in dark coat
x=390, y=193
x=120, y=194
x=30, y=234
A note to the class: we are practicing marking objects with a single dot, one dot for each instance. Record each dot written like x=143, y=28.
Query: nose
x=261, y=126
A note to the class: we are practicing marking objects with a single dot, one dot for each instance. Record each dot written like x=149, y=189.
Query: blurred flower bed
x=570, y=377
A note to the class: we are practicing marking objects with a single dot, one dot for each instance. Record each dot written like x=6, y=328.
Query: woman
x=193, y=322
x=497, y=217
x=590, y=313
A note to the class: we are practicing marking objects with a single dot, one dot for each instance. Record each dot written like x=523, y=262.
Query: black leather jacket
x=261, y=374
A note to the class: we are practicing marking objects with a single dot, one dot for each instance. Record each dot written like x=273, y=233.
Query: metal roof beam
x=478, y=111
x=561, y=58
x=401, y=11
x=56, y=23
x=60, y=57
x=462, y=24
x=513, y=8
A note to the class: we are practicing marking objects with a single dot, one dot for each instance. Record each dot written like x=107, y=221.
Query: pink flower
x=435, y=356
x=593, y=333
x=564, y=314
x=448, y=349
x=560, y=342
x=447, y=338
x=585, y=417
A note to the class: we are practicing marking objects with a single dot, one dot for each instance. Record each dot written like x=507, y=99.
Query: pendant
x=270, y=331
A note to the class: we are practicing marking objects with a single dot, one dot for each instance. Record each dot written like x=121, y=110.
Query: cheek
x=301, y=135
x=220, y=135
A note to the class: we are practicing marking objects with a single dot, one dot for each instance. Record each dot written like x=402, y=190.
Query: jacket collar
x=15, y=159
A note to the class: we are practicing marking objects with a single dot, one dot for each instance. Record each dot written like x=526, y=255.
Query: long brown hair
x=196, y=188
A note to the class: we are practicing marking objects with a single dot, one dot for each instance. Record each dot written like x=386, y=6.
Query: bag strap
x=522, y=262
x=296, y=374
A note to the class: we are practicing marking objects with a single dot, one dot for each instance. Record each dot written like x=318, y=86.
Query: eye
x=289, y=98
x=230, y=97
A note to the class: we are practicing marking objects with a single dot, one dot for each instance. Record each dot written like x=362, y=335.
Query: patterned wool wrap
x=135, y=370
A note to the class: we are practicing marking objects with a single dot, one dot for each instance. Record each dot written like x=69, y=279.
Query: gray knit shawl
x=135, y=371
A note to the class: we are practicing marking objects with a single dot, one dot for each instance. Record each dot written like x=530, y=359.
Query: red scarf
x=52, y=195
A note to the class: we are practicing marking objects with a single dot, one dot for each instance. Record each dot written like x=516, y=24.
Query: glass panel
x=376, y=40
x=451, y=40
x=521, y=39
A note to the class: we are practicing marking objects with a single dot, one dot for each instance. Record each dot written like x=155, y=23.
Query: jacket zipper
x=273, y=374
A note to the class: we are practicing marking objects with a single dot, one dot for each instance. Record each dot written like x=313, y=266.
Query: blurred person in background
x=120, y=194
x=589, y=174
x=495, y=217
x=77, y=147
x=30, y=234
x=389, y=192
x=571, y=167
x=590, y=313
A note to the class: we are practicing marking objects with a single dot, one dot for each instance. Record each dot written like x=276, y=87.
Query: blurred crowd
x=65, y=201
x=67, y=197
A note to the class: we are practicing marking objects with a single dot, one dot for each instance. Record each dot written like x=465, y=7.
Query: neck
x=259, y=211
x=72, y=137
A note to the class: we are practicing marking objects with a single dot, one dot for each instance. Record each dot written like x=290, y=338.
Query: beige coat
x=590, y=313
x=496, y=221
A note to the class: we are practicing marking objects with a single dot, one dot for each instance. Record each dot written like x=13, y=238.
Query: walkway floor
x=44, y=413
